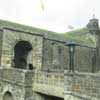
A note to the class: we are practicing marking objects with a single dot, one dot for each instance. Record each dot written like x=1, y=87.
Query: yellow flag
x=42, y=5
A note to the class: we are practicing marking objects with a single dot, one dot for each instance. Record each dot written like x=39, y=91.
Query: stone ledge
x=17, y=76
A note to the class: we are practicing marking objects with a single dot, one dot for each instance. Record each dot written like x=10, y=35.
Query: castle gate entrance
x=21, y=52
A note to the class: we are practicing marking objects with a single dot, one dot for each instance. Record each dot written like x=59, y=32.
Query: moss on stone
x=79, y=35
x=17, y=26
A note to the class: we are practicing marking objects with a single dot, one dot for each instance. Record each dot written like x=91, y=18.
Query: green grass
x=9, y=24
x=79, y=35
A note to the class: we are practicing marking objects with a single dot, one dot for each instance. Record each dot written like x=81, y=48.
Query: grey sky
x=57, y=15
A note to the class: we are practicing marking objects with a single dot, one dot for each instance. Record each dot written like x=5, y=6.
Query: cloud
x=57, y=14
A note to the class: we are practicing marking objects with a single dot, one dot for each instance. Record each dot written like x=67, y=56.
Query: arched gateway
x=8, y=96
x=22, y=51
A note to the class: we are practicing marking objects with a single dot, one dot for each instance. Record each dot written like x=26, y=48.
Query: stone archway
x=21, y=52
x=8, y=96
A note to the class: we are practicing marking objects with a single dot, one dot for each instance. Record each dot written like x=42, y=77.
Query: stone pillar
x=29, y=95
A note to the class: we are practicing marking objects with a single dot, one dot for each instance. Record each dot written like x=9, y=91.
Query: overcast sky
x=57, y=14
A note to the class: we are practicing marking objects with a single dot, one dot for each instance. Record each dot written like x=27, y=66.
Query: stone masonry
x=34, y=64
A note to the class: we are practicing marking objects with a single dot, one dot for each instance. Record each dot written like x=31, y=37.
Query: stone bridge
x=18, y=84
x=26, y=84
x=49, y=83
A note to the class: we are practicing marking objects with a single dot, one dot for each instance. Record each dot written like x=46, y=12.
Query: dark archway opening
x=8, y=96
x=52, y=98
x=21, y=52
x=47, y=97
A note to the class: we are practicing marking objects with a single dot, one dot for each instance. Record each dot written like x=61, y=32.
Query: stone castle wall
x=84, y=85
x=47, y=54
x=56, y=57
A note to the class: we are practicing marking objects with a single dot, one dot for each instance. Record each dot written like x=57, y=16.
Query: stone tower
x=93, y=27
